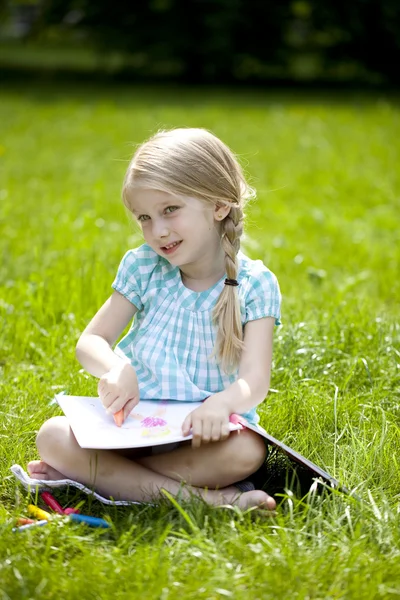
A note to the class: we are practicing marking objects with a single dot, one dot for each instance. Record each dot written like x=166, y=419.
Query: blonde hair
x=192, y=162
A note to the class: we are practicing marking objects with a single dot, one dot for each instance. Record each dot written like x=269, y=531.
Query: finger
x=117, y=405
x=186, y=425
x=207, y=432
x=123, y=413
x=103, y=387
x=108, y=396
x=225, y=431
x=108, y=399
x=129, y=406
x=216, y=432
x=197, y=429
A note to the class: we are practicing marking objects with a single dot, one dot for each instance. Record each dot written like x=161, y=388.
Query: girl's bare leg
x=115, y=476
x=213, y=465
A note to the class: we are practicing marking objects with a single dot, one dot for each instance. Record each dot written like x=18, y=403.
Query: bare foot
x=231, y=495
x=38, y=469
x=255, y=499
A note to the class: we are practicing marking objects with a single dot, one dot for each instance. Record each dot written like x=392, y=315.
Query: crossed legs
x=209, y=471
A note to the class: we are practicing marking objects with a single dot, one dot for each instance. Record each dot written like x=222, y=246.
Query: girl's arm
x=210, y=421
x=94, y=348
x=252, y=384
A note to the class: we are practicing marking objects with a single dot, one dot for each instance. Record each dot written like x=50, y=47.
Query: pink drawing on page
x=154, y=426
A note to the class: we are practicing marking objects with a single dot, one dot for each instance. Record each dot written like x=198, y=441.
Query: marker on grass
x=54, y=505
x=52, y=502
x=71, y=511
x=30, y=525
x=37, y=512
x=85, y=519
x=25, y=521
x=91, y=521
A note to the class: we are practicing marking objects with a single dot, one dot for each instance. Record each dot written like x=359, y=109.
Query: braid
x=226, y=313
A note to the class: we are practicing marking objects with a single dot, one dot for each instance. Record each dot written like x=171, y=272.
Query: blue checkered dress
x=172, y=336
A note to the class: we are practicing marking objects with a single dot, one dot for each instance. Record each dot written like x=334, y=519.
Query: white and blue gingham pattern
x=172, y=336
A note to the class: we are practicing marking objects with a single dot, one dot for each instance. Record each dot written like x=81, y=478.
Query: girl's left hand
x=209, y=422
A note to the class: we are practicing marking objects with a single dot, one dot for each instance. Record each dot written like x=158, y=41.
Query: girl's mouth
x=170, y=248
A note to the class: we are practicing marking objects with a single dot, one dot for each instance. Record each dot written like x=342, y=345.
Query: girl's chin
x=171, y=259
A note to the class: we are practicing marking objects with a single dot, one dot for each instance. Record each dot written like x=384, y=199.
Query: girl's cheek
x=177, y=220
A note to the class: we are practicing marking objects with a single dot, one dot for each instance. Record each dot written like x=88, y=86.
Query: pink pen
x=71, y=511
x=237, y=420
x=52, y=502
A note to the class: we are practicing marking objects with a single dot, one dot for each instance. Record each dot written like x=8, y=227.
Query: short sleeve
x=127, y=280
x=264, y=297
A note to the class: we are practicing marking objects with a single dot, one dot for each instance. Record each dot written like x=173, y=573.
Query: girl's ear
x=221, y=211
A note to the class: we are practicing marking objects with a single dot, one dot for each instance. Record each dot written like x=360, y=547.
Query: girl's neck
x=199, y=280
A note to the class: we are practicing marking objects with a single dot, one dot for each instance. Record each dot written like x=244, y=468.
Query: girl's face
x=184, y=231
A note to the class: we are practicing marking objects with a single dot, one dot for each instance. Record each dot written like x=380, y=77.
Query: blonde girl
x=202, y=315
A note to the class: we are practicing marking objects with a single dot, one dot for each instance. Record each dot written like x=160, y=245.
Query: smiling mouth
x=169, y=248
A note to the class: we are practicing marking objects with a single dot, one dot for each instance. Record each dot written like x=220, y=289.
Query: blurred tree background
x=207, y=41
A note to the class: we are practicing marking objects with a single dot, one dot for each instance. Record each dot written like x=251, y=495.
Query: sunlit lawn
x=326, y=222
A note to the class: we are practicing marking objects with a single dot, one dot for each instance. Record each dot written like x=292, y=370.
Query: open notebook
x=151, y=423
x=156, y=423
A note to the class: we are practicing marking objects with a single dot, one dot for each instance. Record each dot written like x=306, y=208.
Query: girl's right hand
x=118, y=388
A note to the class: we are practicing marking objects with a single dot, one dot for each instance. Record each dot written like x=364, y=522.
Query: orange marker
x=119, y=417
x=24, y=521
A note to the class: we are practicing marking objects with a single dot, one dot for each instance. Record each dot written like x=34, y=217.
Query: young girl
x=203, y=325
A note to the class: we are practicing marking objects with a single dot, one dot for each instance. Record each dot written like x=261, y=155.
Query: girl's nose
x=160, y=229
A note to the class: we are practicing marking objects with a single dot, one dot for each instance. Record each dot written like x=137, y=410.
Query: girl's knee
x=251, y=451
x=52, y=434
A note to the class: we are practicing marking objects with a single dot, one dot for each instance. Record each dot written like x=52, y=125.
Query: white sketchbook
x=151, y=423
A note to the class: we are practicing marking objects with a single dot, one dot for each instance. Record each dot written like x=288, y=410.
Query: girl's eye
x=171, y=209
x=142, y=218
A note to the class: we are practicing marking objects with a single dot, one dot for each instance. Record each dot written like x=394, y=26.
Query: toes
x=34, y=466
x=263, y=500
x=257, y=499
x=270, y=503
x=37, y=469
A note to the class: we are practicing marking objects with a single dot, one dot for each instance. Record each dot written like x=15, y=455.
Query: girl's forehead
x=153, y=199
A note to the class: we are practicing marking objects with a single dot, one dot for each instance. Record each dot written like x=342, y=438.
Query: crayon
x=71, y=511
x=29, y=525
x=24, y=521
x=91, y=521
x=35, y=511
x=52, y=502
x=119, y=417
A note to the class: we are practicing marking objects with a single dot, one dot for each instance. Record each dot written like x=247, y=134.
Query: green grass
x=326, y=221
